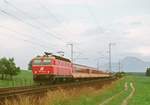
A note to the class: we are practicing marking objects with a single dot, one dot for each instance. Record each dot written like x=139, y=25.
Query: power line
x=49, y=12
x=33, y=26
x=25, y=35
x=93, y=15
x=28, y=41
x=25, y=13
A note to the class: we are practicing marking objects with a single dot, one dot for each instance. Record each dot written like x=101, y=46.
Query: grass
x=96, y=96
x=142, y=94
x=23, y=79
x=60, y=96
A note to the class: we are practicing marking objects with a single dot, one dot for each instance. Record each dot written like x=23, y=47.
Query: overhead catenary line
x=20, y=33
x=93, y=16
x=26, y=40
x=51, y=14
x=31, y=25
x=27, y=14
x=21, y=11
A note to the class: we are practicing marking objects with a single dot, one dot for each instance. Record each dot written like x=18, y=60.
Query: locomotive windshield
x=41, y=62
x=46, y=62
x=37, y=62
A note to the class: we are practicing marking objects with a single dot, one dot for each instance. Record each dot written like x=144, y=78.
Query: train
x=49, y=67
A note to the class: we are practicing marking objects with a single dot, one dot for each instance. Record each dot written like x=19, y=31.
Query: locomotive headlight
x=35, y=72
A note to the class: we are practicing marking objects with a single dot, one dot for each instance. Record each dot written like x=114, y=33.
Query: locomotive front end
x=42, y=68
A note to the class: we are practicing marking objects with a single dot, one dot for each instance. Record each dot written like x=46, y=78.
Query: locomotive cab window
x=40, y=62
x=37, y=62
x=46, y=62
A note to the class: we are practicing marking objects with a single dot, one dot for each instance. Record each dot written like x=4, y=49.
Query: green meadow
x=142, y=94
x=114, y=94
x=24, y=78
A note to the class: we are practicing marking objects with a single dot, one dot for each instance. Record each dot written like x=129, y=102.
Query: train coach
x=53, y=68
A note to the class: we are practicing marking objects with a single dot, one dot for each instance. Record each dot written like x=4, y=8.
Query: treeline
x=8, y=68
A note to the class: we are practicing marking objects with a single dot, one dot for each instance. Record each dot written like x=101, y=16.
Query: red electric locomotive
x=51, y=67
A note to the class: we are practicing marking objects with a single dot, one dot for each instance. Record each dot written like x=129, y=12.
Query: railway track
x=32, y=90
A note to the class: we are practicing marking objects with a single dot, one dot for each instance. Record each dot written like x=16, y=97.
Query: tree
x=12, y=69
x=148, y=72
x=3, y=67
x=30, y=65
x=8, y=68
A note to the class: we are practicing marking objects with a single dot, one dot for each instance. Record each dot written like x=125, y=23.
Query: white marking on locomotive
x=42, y=68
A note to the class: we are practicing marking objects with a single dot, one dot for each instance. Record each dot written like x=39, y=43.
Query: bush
x=148, y=72
x=8, y=68
x=120, y=74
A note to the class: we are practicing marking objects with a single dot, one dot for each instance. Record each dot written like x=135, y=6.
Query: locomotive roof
x=55, y=56
x=61, y=58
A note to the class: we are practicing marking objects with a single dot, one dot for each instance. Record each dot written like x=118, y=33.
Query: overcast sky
x=30, y=27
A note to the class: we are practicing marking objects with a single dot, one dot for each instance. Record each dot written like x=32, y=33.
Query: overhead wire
x=26, y=40
x=24, y=33
x=27, y=23
x=20, y=33
x=51, y=14
x=27, y=14
x=93, y=15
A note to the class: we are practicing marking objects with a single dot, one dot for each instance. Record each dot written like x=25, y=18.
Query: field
x=120, y=92
x=130, y=90
x=23, y=79
x=142, y=94
x=116, y=95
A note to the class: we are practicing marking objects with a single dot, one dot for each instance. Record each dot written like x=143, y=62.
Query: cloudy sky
x=30, y=27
